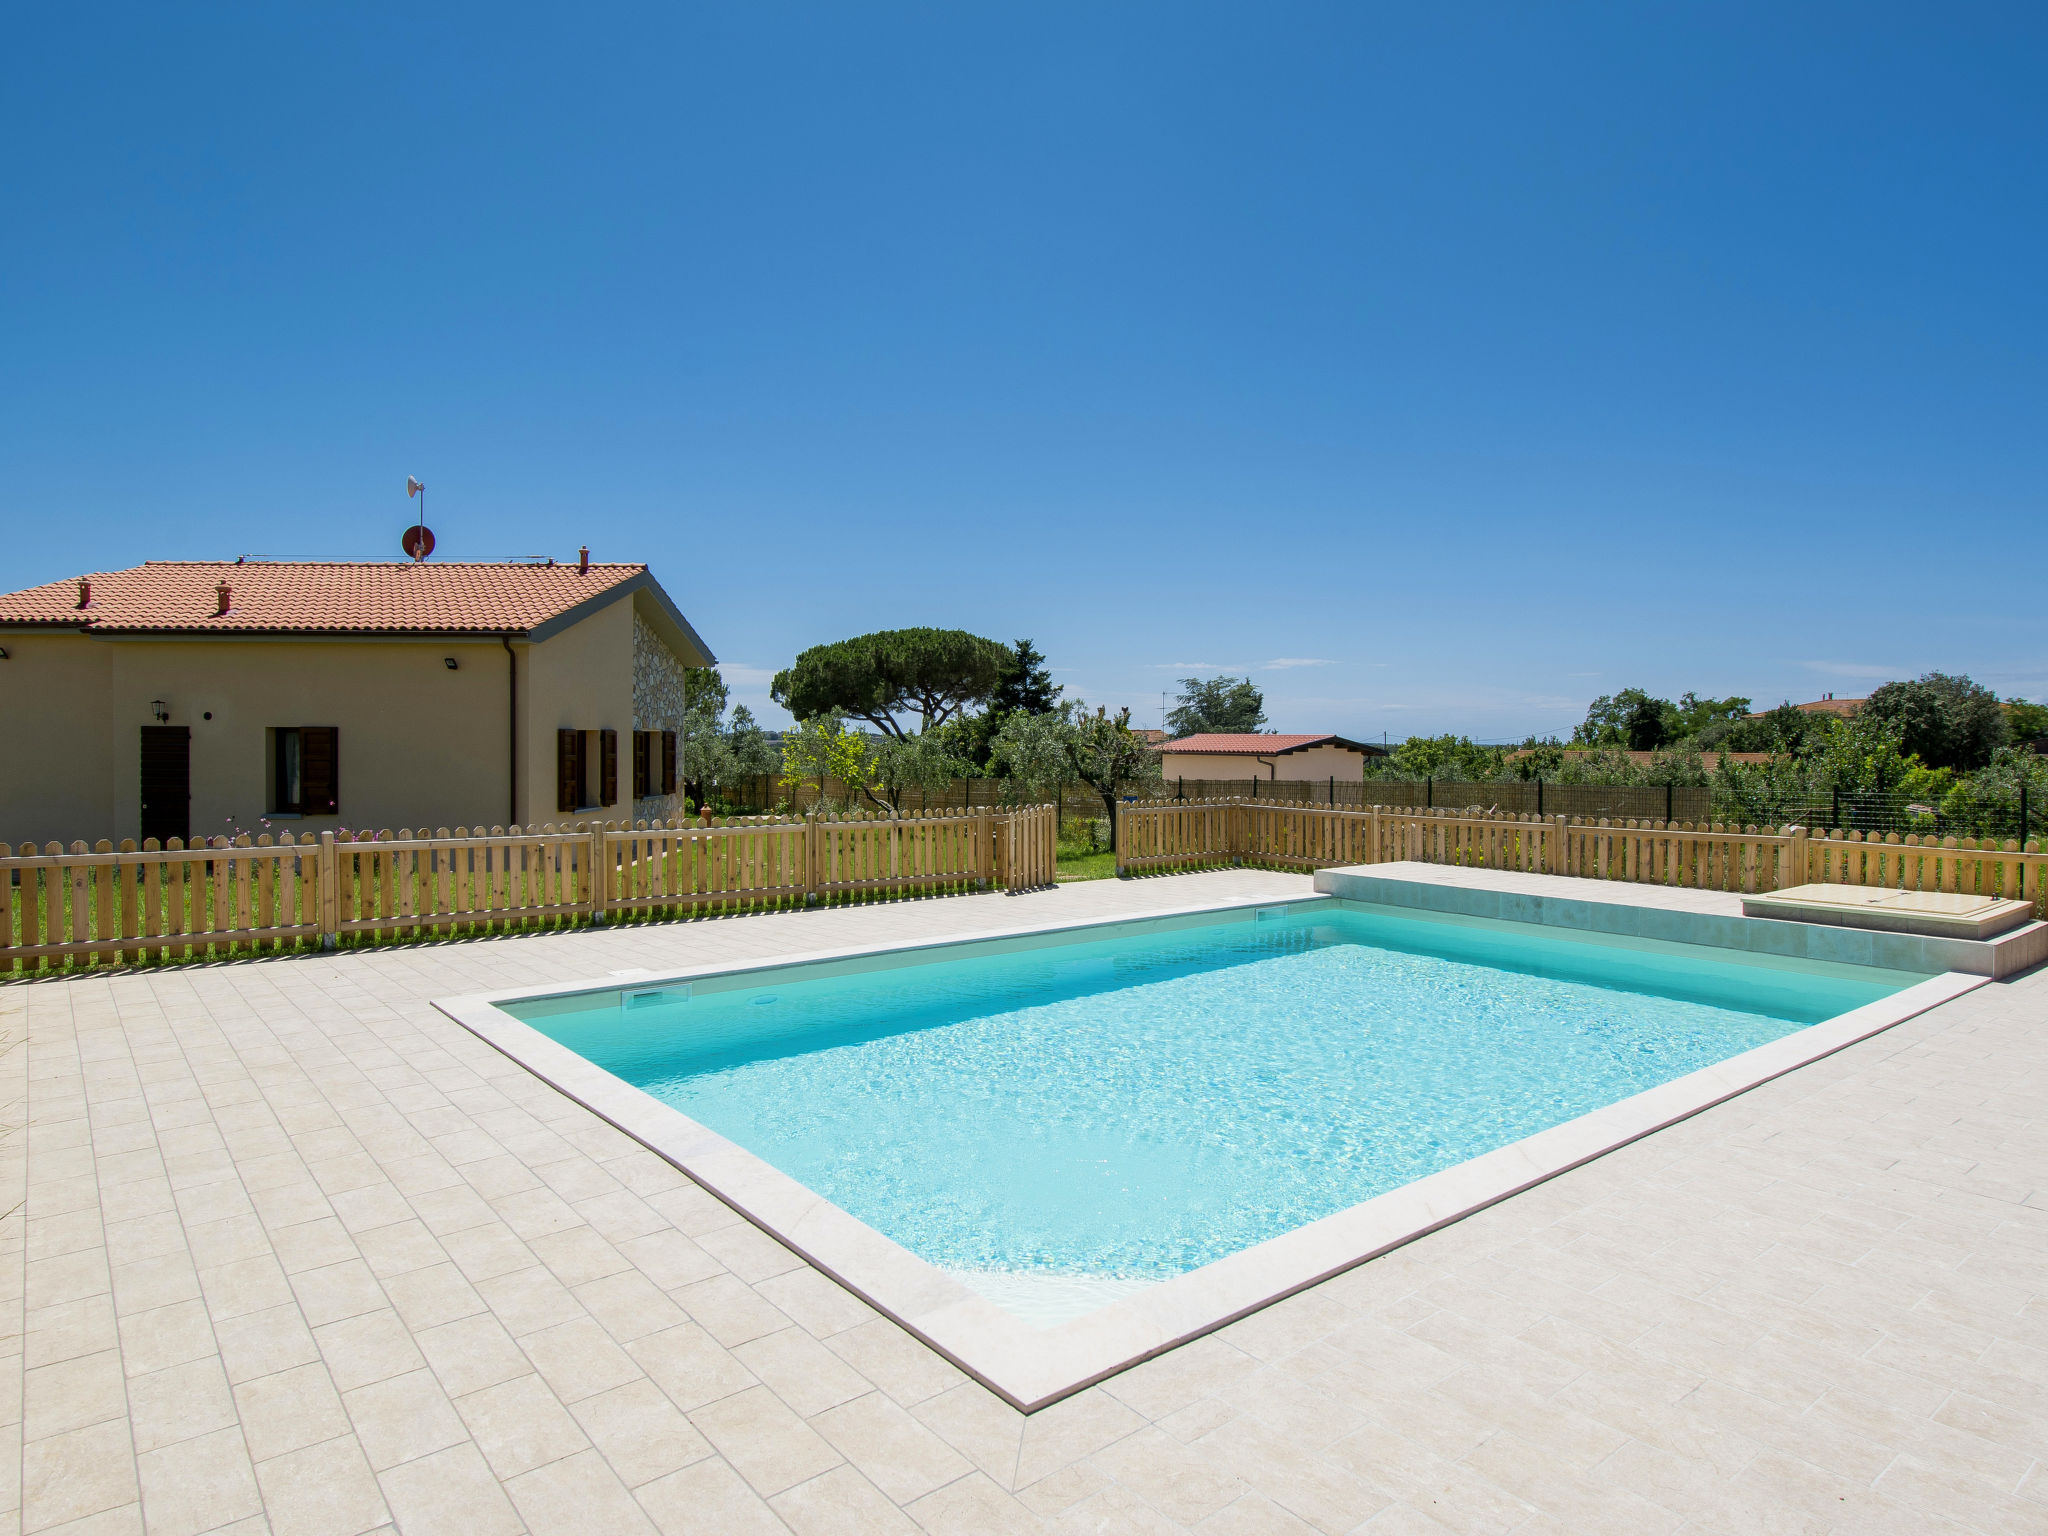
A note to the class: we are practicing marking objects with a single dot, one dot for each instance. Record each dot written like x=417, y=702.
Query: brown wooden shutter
x=568, y=749
x=608, y=767
x=320, y=769
x=642, y=778
x=668, y=762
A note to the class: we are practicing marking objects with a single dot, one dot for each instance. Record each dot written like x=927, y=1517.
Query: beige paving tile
x=801, y=1371
x=519, y=1425
x=901, y=1456
x=1178, y=1481
x=629, y=1305
x=730, y=1310
x=78, y=1473
x=708, y=1496
x=671, y=1259
x=974, y=1505
x=471, y=1353
x=426, y=1298
x=322, y=1490
x=687, y=1364
x=907, y=1370
x=403, y=1418
x=450, y=1493
x=763, y=1441
x=639, y=1431
x=368, y=1348
x=579, y=1359
x=263, y=1343
x=69, y=1329
x=86, y=1389
x=166, y=1336
x=290, y=1410
x=979, y=1425
x=840, y=1503
x=1069, y=1431
x=179, y=1403
x=337, y=1291
x=579, y=1493
x=817, y=1304
x=200, y=1484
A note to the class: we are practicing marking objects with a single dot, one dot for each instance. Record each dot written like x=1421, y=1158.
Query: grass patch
x=1093, y=864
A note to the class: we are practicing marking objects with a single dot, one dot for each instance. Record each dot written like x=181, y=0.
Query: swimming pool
x=1062, y=1123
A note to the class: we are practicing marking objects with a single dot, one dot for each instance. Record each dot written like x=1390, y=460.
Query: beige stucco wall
x=420, y=746
x=1316, y=763
x=57, y=763
x=578, y=680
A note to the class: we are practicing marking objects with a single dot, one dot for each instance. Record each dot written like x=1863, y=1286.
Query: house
x=1265, y=755
x=195, y=698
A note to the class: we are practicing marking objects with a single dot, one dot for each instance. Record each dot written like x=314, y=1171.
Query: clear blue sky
x=1444, y=366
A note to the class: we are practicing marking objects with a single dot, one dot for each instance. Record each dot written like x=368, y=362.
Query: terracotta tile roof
x=1258, y=744
x=318, y=596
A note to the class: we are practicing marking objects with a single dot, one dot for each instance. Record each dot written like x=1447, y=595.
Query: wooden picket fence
x=1168, y=835
x=96, y=907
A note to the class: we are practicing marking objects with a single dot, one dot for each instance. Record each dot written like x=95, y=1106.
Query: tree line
x=905, y=712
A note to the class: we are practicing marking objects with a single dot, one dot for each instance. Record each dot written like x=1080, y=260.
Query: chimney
x=225, y=594
x=583, y=561
x=84, y=592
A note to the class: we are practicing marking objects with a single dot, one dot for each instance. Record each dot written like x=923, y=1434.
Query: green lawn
x=1076, y=865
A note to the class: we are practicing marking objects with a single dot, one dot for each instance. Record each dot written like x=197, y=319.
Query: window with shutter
x=642, y=785
x=608, y=767
x=668, y=762
x=568, y=769
x=320, y=770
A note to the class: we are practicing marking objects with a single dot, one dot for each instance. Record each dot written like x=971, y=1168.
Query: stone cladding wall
x=657, y=706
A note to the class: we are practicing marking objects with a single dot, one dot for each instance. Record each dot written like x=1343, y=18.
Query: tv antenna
x=418, y=541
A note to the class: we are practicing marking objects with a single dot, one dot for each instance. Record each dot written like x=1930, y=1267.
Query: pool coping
x=1031, y=1367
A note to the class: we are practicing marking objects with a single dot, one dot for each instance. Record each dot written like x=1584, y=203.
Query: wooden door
x=166, y=782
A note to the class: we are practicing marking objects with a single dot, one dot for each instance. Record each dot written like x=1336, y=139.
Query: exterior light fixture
x=160, y=709
x=448, y=662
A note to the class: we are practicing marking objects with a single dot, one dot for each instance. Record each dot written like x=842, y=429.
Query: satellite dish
x=418, y=541
x=413, y=487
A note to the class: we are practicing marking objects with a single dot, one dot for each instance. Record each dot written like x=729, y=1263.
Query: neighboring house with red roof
x=1265, y=755
x=1826, y=704
x=194, y=698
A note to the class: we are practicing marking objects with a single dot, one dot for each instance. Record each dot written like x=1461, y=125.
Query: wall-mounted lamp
x=448, y=662
x=160, y=709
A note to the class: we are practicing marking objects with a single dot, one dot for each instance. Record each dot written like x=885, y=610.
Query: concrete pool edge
x=1031, y=1367
x=1608, y=909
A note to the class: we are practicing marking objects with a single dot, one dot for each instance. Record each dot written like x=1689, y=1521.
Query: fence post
x=1372, y=836
x=328, y=880
x=600, y=874
x=810, y=857
x=1117, y=835
x=1796, y=858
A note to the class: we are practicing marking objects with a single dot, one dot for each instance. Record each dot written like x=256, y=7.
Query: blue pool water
x=1140, y=1105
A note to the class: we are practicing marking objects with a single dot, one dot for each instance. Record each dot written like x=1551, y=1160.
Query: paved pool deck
x=286, y=1249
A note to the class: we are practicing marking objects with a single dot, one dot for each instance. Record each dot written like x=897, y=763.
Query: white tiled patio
x=291, y=1251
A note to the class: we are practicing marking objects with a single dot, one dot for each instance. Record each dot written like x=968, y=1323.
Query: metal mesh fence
x=2018, y=817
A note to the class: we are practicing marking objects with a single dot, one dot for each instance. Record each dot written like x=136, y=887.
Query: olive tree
x=1110, y=758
